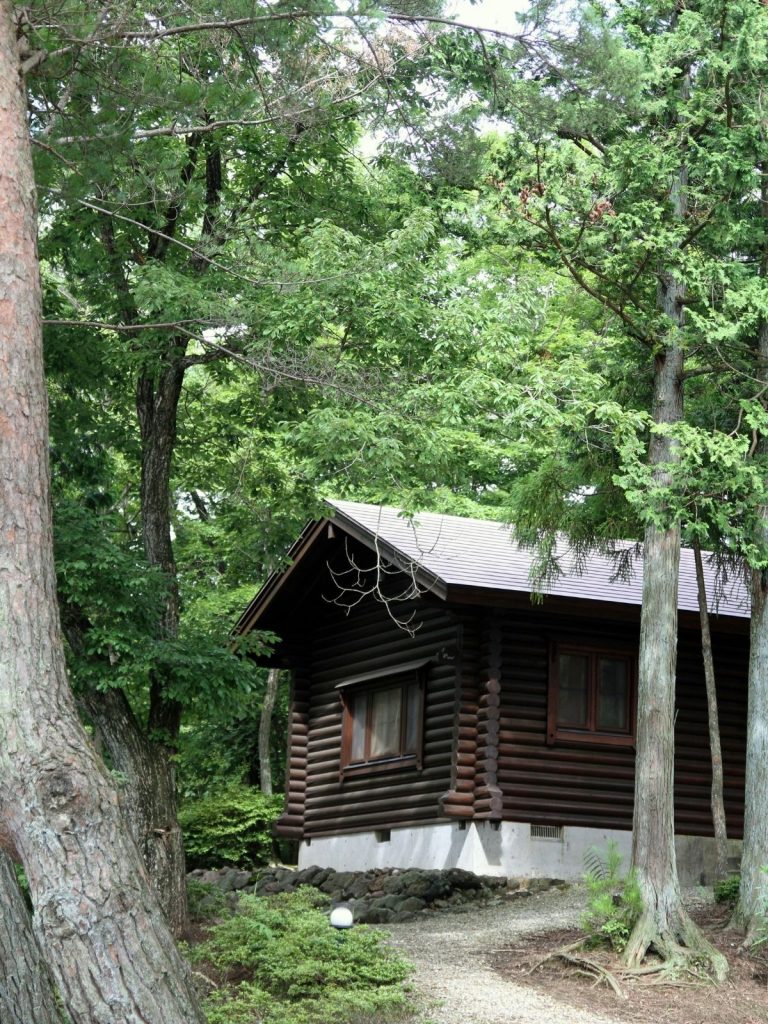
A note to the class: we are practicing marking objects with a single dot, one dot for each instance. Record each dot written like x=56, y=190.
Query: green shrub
x=727, y=890
x=205, y=901
x=614, y=901
x=233, y=826
x=298, y=970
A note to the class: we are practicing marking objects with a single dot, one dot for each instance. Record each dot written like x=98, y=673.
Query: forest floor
x=479, y=967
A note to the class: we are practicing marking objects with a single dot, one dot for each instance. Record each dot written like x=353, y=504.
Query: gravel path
x=450, y=954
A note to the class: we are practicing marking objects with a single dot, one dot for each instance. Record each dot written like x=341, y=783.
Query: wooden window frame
x=391, y=679
x=557, y=733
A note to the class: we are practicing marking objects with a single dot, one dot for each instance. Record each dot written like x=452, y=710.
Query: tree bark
x=265, y=730
x=98, y=925
x=717, y=802
x=27, y=993
x=664, y=925
x=147, y=798
x=753, y=890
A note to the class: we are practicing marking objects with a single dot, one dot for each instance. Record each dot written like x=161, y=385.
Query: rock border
x=381, y=895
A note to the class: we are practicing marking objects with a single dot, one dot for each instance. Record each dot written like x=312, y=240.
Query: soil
x=743, y=999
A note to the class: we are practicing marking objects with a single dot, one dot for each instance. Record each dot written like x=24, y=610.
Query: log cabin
x=443, y=714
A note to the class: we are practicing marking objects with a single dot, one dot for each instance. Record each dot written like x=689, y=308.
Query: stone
x=232, y=879
x=537, y=885
x=412, y=905
x=402, y=915
x=344, y=881
x=392, y=884
x=376, y=915
x=457, y=878
x=360, y=887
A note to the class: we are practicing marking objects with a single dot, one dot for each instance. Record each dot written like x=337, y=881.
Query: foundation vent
x=554, y=832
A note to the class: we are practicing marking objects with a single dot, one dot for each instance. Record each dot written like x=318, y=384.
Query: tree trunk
x=265, y=730
x=98, y=925
x=753, y=890
x=145, y=759
x=27, y=993
x=664, y=925
x=719, y=825
x=147, y=798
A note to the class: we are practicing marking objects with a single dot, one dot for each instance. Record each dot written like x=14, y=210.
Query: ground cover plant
x=277, y=960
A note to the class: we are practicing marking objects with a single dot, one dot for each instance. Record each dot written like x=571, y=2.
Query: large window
x=591, y=695
x=382, y=720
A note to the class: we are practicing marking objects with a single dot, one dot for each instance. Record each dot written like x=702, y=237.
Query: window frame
x=557, y=733
x=401, y=677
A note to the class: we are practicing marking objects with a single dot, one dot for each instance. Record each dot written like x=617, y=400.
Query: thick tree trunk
x=664, y=924
x=753, y=891
x=147, y=798
x=98, y=925
x=717, y=802
x=265, y=731
x=27, y=993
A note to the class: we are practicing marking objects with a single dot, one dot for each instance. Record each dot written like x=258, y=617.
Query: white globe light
x=341, y=917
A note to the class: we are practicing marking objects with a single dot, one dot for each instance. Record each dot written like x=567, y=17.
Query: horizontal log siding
x=365, y=640
x=692, y=762
x=593, y=784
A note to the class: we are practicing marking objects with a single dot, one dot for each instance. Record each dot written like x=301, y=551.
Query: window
x=382, y=721
x=591, y=695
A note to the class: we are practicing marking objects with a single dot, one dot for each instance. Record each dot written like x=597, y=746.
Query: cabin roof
x=464, y=552
x=452, y=555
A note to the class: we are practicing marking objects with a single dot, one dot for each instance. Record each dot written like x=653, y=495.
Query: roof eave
x=275, y=582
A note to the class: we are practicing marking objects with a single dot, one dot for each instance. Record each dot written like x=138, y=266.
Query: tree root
x=583, y=965
x=680, y=945
x=697, y=963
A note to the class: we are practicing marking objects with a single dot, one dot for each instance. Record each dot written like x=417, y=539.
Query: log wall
x=345, y=646
x=593, y=784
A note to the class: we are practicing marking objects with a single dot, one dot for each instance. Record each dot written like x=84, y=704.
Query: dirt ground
x=742, y=1000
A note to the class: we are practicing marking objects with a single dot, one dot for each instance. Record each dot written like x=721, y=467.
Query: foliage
x=205, y=901
x=299, y=970
x=727, y=889
x=23, y=883
x=614, y=900
x=232, y=826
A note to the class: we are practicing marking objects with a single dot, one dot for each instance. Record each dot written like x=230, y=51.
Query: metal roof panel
x=481, y=553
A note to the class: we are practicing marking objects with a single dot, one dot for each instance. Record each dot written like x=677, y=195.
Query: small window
x=382, y=721
x=591, y=695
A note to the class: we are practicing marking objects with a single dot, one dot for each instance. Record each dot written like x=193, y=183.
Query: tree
x=193, y=202
x=719, y=823
x=628, y=166
x=98, y=925
x=26, y=988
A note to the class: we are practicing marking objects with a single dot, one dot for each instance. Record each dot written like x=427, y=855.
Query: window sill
x=390, y=764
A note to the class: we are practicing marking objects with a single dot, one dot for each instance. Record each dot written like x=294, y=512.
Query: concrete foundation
x=507, y=848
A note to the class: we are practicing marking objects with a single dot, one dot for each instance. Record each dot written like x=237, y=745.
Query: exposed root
x=582, y=965
x=681, y=946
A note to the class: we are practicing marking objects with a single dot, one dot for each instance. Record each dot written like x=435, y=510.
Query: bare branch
x=357, y=583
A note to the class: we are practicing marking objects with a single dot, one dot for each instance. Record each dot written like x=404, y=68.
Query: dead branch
x=357, y=582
